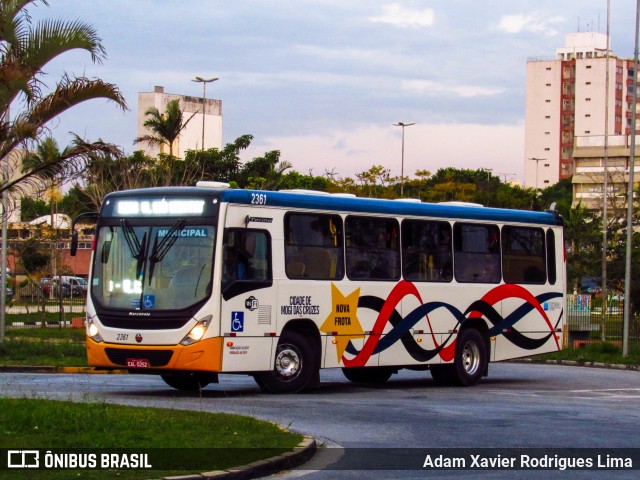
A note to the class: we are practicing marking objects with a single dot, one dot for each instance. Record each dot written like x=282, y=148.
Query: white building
x=588, y=179
x=191, y=137
x=565, y=99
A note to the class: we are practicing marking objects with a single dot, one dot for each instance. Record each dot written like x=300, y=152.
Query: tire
x=377, y=375
x=469, y=363
x=188, y=382
x=294, y=366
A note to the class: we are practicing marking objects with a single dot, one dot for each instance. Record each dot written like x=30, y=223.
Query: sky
x=323, y=81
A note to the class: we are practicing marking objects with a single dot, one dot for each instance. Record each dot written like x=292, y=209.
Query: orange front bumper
x=205, y=355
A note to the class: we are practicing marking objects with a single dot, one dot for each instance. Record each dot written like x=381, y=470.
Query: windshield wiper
x=136, y=247
x=161, y=249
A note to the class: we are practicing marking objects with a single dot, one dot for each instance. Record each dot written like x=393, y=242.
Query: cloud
x=398, y=16
x=533, y=23
x=433, y=88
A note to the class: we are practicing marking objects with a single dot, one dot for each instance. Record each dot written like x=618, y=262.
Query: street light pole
x=204, y=82
x=402, y=124
x=632, y=166
x=537, y=160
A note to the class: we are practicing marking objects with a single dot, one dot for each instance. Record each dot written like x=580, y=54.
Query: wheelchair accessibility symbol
x=237, y=321
x=149, y=301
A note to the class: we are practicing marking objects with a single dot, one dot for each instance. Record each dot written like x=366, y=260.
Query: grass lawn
x=192, y=442
x=43, y=352
x=596, y=352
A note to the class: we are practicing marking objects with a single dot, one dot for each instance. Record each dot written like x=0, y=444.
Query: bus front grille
x=157, y=358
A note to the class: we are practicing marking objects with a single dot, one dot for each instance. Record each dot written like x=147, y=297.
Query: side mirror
x=74, y=243
x=74, y=233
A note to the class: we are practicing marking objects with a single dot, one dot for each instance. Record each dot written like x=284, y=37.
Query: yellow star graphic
x=343, y=319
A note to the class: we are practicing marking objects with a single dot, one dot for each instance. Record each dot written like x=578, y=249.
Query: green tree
x=34, y=257
x=48, y=156
x=263, y=172
x=107, y=173
x=292, y=180
x=75, y=202
x=583, y=238
x=165, y=127
x=25, y=50
x=32, y=208
x=214, y=164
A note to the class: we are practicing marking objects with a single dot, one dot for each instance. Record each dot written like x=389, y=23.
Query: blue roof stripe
x=389, y=207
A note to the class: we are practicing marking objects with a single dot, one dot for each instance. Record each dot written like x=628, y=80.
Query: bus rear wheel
x=294, y=366
x=376, y=375
x=189, y=382
x=469, y=363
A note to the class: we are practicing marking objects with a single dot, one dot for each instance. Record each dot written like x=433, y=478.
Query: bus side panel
x=247, y=354
x=530, y=323
x=506, y=349
x=330, y=356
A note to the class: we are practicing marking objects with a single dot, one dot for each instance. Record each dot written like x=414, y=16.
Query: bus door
x=247, y=312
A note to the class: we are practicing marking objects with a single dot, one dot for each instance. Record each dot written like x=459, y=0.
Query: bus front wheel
x=294, y=366
x=469, y=363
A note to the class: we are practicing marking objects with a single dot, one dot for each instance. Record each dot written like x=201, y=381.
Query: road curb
x=51, y=369
x=574, y=363
x=261, y=468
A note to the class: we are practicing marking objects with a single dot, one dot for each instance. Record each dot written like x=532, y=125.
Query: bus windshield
x=165, y=266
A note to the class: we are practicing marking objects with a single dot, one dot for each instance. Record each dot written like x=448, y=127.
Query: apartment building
x=588, y=179
x=566, y=99
x=192, y=137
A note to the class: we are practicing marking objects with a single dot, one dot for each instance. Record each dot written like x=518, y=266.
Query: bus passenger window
x=245, y=256
x=477, y=253
x=523, y=255
x=373, y=248
x=313, y=246
x=426, y=251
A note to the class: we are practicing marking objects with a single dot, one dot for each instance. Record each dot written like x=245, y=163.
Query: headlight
x=197, y=332
x=92, y=331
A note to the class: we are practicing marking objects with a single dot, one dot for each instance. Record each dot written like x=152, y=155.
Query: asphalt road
x=517, y=406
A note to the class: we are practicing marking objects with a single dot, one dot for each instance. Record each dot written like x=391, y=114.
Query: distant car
x=45, y=285
x=78, y=284
x=54, y=288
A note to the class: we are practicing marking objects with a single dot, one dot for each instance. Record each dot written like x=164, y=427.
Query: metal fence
x=587, y=323
x=31, y=306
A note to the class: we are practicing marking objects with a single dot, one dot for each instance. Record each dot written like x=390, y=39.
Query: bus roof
x=340, y=203
x=345, y=203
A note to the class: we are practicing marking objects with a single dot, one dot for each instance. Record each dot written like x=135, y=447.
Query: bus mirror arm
x=74, y=233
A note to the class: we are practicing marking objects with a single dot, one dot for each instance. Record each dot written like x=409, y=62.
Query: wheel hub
x=471, y=358
x=288, y=363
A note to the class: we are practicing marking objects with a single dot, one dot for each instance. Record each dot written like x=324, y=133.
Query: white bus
x=190, y=282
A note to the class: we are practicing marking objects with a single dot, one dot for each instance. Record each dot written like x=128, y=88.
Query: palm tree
x=25, y=49
x=47, y=154
x=166, y=127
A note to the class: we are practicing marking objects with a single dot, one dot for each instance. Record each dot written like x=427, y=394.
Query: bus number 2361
x=258, y=199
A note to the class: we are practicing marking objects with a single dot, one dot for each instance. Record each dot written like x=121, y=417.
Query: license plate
x=137, y=363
